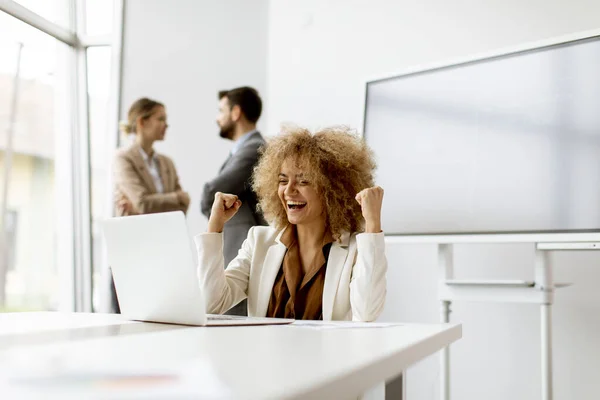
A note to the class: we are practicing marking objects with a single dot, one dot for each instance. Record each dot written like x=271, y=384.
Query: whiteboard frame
x=544, y=241
x=585, y=238
x=506, y=51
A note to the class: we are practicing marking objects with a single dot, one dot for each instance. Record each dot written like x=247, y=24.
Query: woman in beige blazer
x=323, y=255
x=145, y=181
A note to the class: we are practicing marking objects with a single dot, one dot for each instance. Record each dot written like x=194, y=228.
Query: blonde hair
x=339, y=164
x=143, y=108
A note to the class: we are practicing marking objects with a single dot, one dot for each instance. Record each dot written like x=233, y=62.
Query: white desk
x=259, y=362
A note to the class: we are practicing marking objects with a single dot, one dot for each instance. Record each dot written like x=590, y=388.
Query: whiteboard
x=499, y=145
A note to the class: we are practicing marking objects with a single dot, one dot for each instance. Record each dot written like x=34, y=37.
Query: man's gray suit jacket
x=235, y=178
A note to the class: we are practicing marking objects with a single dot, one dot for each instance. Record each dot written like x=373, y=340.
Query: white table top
x=255, y=362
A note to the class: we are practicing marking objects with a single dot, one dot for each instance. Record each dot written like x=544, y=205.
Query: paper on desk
x=322, y=325
x=65, y=380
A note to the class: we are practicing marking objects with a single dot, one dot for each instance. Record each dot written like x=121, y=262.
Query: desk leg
x=546, y=351
x=445, y=357
x=396, y=388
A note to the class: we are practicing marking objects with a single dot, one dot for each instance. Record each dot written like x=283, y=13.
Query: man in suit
x=239, y=110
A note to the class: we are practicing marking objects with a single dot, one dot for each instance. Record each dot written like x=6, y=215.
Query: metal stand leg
x=546, y=331
x=445, y=357
x=545, y=282
x=446, y=272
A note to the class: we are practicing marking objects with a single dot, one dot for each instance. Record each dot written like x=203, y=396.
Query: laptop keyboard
x=215, y=317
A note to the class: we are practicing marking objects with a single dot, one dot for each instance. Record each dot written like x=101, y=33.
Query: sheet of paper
x=341, y=324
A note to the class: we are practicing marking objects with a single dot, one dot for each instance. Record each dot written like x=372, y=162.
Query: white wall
x=320, y=53
x=182, y=53
x=309, y=60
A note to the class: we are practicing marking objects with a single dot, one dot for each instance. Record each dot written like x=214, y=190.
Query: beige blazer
x=132, y=179
x=355, y=279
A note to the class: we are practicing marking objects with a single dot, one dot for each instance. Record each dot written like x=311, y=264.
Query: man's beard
x=226, y=131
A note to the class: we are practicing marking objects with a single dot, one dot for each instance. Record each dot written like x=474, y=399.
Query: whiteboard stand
x=541, y=292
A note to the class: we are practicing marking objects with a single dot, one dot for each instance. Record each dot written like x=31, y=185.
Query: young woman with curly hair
x=323, y=255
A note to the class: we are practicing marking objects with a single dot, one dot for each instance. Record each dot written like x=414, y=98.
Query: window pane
x=99, y=66
x=99, y=16
x=30, y=276
x=56, y=11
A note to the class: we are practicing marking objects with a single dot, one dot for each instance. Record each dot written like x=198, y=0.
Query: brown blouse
x=295, y=294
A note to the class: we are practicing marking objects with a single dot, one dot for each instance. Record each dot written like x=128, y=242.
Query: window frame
x=75, y=249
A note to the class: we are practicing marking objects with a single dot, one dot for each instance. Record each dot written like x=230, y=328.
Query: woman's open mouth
x=295, y=205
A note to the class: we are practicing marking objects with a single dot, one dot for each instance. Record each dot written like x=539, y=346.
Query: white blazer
x=355, y=282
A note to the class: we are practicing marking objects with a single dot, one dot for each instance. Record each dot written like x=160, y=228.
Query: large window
x=55, y=102
x=99, y=17
x=34, y=119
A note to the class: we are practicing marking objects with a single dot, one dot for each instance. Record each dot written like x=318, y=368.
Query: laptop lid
x=151, y=258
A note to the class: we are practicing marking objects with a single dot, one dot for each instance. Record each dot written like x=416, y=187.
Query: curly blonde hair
x=338, y=163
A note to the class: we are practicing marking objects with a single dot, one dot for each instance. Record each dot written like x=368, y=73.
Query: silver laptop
x=152, y=263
